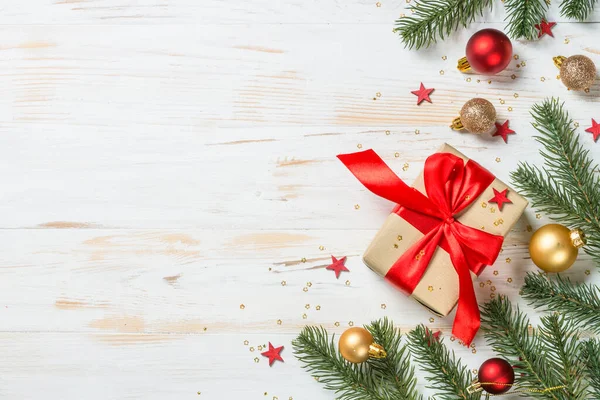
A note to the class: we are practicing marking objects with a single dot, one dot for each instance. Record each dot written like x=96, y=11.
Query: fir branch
x=591, y=356
x=562, y=344
x=436, y=19
x=577, y=9
x=507, y=331
x=445, y=373
x=581, y=302
x=567, y=188
x=522, y=16
x=388, y=379
x=395, y=368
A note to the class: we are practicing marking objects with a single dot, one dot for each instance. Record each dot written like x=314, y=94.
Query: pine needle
x=591, y=356
x=445, y=373
x=568, y=186
x=581, y=302
x=437, y=19
x=577, y=9
x=522, y=16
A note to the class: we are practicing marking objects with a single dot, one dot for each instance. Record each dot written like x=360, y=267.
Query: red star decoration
x=503, y=130
x=545, y=28
x=500, y=198
x=337, y=266
x=273, y=354
x=594, y=129
x=422, y=94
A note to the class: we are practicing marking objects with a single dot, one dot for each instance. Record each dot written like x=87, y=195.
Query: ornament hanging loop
x=463, y=65
x=475, y=387
x=377, y=351
x=457, y=124
x=558, y=60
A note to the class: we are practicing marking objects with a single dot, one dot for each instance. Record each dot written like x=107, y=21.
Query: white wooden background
x=165, y=161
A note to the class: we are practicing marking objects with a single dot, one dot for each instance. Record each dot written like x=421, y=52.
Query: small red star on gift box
x=503, y=130
x=594, y=129
x=422, y=94
x=337, y=266
x=273, y=354
x=545, y=28
x=500, y=198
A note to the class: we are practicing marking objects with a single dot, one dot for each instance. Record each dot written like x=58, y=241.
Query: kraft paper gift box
x=438, y=289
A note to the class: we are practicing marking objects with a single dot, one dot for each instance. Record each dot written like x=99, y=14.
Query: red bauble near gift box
x=488, y=52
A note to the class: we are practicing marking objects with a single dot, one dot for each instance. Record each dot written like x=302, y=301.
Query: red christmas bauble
x=489, y=51
x=496, y=376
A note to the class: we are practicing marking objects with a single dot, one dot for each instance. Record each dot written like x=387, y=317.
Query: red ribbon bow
x=451, y=186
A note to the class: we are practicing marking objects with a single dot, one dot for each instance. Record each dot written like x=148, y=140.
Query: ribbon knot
x=451, y=186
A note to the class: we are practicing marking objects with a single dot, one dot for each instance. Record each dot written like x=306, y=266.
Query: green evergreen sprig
x=445, y=373
x=542, y=358
x=591, y=356
x=577, y=9
x=567, y=187
x=580, y=302
x=391, y=378
x=436, y=19
x=522, y=16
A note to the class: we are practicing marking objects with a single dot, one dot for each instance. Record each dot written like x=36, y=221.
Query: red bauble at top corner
x=496, y=376
x=489, y=51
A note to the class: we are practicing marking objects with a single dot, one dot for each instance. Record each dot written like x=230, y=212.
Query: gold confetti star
x=347, y=283
x=417, y=131
x=529, y=228
x=246, y=343
x=576, y=124
x=488, y=282
x=279, y=322
x=259, y=348
x=350, y=323
x=484, y=205
x=387, y=132
x=510, y=108
x=395, y=245
x=304, y=316
x=242, y=306
x=498, y=159
x=307, y=306
x=513, y=76
x=543, y=79
x=256, y=360
x=538, y=216
x=303, y=259
x=489, y=82
x=283, y=283
x=567, y=41
x=495, y=272
x=523, y=63
x=383, y=306
x=405, y=167
x=587, y=90
x=509, y=280
x=516, y=56
x=452, y=338
x=378, y=4
x=359, y=146
x=502, y=101
x=474, y=351
x=205, y=329
x=516, y=95
x=317, y=308
x=508, y=260
x=337, y=323
x=493, y=288
x=251, y=349
x=444, y=58
x=321, y=248
x=396, y=154
x=481, y=284
x=468, y=79
x=430, y=288
x=492, y=295
x=357, y=206
x=399, y=237
x=587, y=272
x=378, y=94
x=442, y=72
x=309, y=284
x=431, y=320
x=305, y=289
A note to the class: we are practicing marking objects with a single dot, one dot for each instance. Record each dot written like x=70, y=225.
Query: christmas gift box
x=443, y=231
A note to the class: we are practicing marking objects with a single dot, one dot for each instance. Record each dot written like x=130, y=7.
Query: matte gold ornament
x=554, y=247
x=476, y=116
x=356, y=345
x=576, y=72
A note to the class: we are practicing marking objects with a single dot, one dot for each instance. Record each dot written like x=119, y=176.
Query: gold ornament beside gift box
x=554, y=247
x=476, y=116
x=356, y=346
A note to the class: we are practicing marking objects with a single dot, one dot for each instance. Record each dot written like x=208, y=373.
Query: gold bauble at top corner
x=552, y=249
x=478, y=115
x=355, y=344
x=578, y=72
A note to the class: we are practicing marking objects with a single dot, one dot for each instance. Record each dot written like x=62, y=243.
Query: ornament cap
x=577, y=238
x=457, y=124
x=558, y=60
x=377, y=351
x=463, y=65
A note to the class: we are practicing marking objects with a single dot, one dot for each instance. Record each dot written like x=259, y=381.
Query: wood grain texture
x=165, y=162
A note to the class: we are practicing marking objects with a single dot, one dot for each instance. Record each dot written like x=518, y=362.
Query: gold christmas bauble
x=576, y=72
x=356, y=345
x=476, y=116
x=554, y=247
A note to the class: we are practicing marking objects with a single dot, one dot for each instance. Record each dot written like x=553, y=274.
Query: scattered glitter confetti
x=587, y=272
x=242, y=306
x=493, y=288
x=422, y=94
x=474, y=351
x=359, y=146
x=516, y=56
x=350, y=323
x=452, y=338
x=396, y=154
x=246, y=343
x=503, y=130
x=279, y=322
x=538, y=216
x=508, y=260
x=509, y=280
x=318, y=308
x=395, y=245
x=442, y=72
x=259, y=348
x=256, y=359
x=484, y=205
x=251, y=349
x=594, y=129
x=387, y=132
x=495, y=272
x=489, y=82
x=468, y=79
x=305, y=289
x=321, y=248
x=309, y=284
x=587, y=90
x=430, y=288
x=498, y=159
x=488, y=282
x=399, y=237
x=502, y=101
x=545, y=28
x=481, y=284
x=356, y=206
x=543, y=79
x=513, y=76
x=347, y=283
x=523, y=64
x=444, y=58
x=567, y=40
x=431, y=320
x=576, y=124
x=492, y=295
x=303, y=259
x=500, y=198
x=510, y=108
x=307, y=306
x=405, y=167
x=273, y=354
x=378, y=4
x=304, y=316
x=337, y=323
x=283, y=283
x=337, y=266
x=383, y=306
x=417, y=131
x=516, y=95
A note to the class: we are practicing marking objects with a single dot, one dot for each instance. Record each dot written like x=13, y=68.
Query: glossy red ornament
x=496, y=376
x=489, y=51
